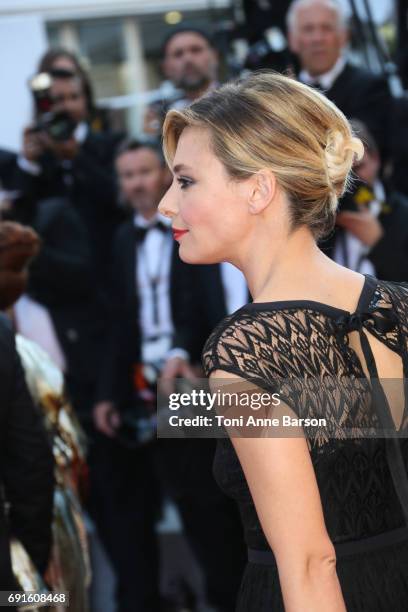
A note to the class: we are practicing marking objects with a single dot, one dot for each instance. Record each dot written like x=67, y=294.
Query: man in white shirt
x=148, y=331
x=317, y=35
x=146, y=255
x=154, y=323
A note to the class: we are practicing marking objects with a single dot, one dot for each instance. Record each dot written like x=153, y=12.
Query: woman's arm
x=283, y=485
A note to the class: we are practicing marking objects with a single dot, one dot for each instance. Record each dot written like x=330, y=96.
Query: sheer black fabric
x=277, y=345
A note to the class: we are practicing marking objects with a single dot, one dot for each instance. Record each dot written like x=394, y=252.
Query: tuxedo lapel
x=215, y=299
x=129, y=263
x=249, y=296
x=180, y=285
x=219, y=293
x=339, y=92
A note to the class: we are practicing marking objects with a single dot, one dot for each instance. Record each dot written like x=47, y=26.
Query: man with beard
x=149, y=288
x=148, y=306
x=190, y=62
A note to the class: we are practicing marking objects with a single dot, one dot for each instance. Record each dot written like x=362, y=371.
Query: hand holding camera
x=66, y=149
x=54, y=127
x=34, y=143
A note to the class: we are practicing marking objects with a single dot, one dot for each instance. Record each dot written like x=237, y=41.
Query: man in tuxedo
x=79, y=167
x=221, y=289
x=318, y=36
x=154, y=323
x=150, y=290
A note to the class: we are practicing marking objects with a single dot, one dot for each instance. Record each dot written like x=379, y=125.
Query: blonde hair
x=268, y=120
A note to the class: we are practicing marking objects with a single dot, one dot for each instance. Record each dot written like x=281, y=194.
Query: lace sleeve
x=239, y=345
x=286, y=353
x=243, y=346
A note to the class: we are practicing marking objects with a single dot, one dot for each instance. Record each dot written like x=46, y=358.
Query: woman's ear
x=263, y=190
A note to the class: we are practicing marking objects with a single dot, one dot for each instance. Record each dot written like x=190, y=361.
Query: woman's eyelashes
x=184, y=182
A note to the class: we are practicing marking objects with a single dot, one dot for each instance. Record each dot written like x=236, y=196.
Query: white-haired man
x=318, y=36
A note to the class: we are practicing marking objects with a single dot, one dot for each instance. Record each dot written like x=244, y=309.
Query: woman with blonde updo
x=321, y=480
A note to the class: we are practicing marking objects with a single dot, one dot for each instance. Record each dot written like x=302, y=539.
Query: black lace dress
x=362, y=480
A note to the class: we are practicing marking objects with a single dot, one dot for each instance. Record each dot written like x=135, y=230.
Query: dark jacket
x=390, y=254
x=90, y=186
x=26, y=473
x=210, y=301
x=8, y=161
x=123, y=343
x=211, y=304
x=400, y=145
x=61, y=279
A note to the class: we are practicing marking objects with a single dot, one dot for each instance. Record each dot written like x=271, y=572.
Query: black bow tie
x=140, y=232
x=317, y=85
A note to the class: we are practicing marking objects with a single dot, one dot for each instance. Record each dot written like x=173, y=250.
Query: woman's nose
x=168, y=206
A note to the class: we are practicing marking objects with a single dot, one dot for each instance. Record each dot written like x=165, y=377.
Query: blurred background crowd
x=101, y=305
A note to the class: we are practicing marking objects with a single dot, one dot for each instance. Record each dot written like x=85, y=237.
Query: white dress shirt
x=153, y=259
x=325, y=80
x=235, y=287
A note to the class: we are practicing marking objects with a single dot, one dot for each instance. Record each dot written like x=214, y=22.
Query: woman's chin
x=188, y=256
x=191, y=256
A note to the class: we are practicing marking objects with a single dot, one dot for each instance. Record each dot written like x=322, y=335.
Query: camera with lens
x=58, y=125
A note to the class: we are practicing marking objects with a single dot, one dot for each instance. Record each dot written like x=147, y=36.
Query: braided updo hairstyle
x=268, y=120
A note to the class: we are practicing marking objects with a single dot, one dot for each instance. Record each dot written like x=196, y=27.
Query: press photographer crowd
x=97, y=305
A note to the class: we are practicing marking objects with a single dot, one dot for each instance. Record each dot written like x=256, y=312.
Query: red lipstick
x=178, y=233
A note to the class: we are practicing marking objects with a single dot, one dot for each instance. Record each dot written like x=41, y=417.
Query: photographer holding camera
x=62, y=156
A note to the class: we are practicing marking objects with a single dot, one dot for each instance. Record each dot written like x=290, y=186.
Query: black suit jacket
x=360, y=94
x=187, y=464
x=123, y=340
x=390, y=254
x=400, y=145
x=8, y=161
x=27, y=465
x=61, y=279
x=211, y=303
